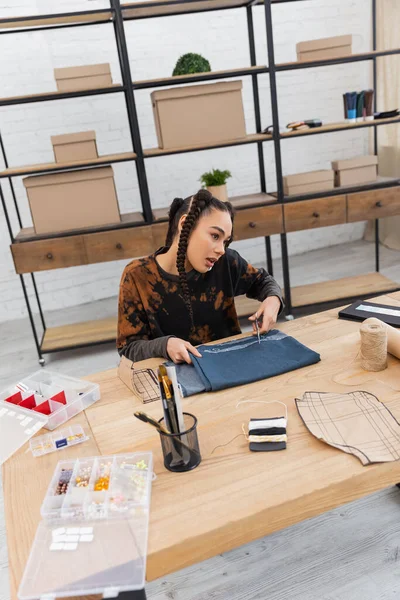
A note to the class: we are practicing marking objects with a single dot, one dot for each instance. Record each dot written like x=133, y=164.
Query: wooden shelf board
x=246, y=306
x=338, y=127
x=158, y=8
x=306, y=64
x=251, y=200
x=105, y=330
x=343, y=188
x=161, y=214
x=27, y=234
x=148, y=83
x=44, y=167
x=55, y=94
x=366, y=285
x=55, y=20
x=80, y=334
x=94, y=332
x=249, y=139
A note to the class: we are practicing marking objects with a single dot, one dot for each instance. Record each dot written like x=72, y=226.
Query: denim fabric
x=188, y=379
x=243, y=361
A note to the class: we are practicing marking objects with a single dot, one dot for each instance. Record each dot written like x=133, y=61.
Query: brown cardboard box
x=324, y=48
x=363, y=169
x=199, y=114
x=72, y=200
x=74, y=146
x=86, y=77
x=307, y=183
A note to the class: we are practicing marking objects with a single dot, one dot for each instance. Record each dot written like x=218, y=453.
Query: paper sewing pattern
x=356, y=423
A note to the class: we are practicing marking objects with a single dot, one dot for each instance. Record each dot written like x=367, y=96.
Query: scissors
x=258, y=329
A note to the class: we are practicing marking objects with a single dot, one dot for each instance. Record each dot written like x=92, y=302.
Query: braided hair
x=193, y=207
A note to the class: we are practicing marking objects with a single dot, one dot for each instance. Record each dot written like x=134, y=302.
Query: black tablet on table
x=361, y=310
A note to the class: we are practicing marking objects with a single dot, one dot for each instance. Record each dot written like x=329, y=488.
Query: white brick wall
x=154, y=45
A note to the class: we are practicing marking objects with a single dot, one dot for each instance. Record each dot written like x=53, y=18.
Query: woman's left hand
x=267, y=314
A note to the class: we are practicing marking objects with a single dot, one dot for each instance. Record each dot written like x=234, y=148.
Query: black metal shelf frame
x=116, y=15
x=277, y=137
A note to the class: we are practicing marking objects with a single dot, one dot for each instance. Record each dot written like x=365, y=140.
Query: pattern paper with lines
x=357, y=423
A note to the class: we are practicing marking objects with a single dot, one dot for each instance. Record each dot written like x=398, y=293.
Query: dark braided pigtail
x=177, y=204
x=200, y=201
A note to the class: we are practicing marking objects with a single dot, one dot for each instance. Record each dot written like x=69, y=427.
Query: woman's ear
x=181, y=222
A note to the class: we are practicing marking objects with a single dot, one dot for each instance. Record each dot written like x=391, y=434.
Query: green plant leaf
x=215, y=177
x=191, y=63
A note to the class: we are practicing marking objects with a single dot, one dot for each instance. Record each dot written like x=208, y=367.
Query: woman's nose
x=221, y=248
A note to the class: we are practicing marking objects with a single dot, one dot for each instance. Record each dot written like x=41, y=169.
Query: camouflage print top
x=151, y=308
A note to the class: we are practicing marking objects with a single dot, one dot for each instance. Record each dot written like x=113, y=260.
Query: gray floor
x=352, y=553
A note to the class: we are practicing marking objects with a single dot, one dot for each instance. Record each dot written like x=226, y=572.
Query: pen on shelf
x=346, y=114
x=360, y=106
x=351, y=98
x=368, y=104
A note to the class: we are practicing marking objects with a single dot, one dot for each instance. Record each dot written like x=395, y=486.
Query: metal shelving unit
x=116, y=16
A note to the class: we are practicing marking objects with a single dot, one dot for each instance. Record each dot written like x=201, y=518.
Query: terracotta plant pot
x=219, y=191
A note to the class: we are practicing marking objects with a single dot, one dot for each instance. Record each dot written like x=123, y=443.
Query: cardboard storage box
x=324, y=48
x=86, y=77
x=74, y=146
x=307, y=183
x=199, y=114
x=363, y=169
x=72, y=200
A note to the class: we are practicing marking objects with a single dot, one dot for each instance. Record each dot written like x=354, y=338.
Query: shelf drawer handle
x=315, y=215
x=252, y=225
x=118, y=246
x=49, y=256
x=378, y=204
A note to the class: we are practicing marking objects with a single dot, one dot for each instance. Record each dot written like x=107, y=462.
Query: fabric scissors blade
x=258, y=329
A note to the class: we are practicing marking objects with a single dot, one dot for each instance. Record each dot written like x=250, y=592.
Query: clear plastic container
x=58, y=397
x=51, y=442
x=93, y=539
x=17, y=426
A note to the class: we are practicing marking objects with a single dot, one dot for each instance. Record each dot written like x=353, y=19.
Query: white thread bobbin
x=373, y=334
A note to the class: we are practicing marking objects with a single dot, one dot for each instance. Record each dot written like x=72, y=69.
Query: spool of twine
x=373, y=334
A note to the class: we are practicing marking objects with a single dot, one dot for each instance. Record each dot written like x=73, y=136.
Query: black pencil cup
x=181, y=451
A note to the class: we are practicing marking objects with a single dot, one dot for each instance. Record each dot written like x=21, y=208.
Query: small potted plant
x=215, y=182
x=191, y=63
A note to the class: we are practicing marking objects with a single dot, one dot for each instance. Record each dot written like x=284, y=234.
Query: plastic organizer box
x=63, y=438
x=93, y=538
x=56, y=396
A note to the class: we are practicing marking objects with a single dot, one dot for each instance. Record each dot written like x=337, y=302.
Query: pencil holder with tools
x=181, y=451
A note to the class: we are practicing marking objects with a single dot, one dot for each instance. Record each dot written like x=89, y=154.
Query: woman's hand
x=267, y=313
x=178, y=350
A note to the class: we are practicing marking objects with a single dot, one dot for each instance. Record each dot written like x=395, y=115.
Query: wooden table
x=234, y=496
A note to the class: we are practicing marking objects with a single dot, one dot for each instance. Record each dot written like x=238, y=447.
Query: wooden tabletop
x=234, y=496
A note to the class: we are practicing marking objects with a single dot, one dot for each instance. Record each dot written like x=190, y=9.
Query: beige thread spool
x=373, y=334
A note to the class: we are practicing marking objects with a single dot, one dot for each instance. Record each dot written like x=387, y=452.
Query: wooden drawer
x=373, y=204
x=42, y=255
x=133, y=242
x=159, y=231
x=258, y=222
x=309, y=214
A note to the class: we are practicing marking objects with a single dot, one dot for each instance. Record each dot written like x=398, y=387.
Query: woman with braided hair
x=183, y=294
